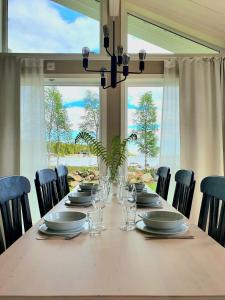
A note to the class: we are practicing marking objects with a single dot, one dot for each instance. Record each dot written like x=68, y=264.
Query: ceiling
x=201, y=19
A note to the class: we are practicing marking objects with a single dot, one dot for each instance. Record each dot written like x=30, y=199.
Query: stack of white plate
x=86, y=186
x=80, y=198
x=162, y=222
x=63, y=223
x=145, y=199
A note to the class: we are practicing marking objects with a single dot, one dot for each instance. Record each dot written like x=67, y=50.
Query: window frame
x=100, y=55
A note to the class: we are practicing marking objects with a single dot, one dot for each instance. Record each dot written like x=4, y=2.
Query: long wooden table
x=116, y=265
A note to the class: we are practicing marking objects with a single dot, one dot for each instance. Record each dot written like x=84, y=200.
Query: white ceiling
x=203, y=19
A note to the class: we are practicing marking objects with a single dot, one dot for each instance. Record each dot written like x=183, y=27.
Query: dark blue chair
x=184, y=191
x=163, y=182
x=46, y=189
x=62, y=181
x=15, y=209
x=212, y=212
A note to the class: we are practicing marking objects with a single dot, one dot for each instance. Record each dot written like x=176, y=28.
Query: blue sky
x=45, y=26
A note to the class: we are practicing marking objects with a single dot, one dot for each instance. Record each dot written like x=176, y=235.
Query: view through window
x=156, y=40
x=47, y=26
x=68, y=110
x=144, y=106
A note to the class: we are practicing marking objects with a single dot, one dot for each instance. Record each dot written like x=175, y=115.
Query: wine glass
x=129, y=208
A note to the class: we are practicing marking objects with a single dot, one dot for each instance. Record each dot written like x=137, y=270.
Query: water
x=80, y=160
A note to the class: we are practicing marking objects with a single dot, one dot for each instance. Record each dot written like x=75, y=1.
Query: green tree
x=91, y=120
x=58, y=127
x=145, y=120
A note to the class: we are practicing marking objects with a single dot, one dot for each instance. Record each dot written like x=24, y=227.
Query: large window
x=156, y=40
x=59, y=26
x=68, y=110
x=144, y=107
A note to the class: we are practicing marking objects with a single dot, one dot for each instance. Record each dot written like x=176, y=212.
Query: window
x=156, y=40
x=144, y=108
x=47, y=26
x=68, y=110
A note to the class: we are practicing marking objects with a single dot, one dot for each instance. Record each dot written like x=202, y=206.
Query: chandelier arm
x=97, y=71
x=140, y=72
x=106, y=49
x=106, y=87
x=121, y=80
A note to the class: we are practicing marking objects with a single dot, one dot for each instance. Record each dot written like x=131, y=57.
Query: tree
x=91, y=120
x=58, y=127
x=145, y=121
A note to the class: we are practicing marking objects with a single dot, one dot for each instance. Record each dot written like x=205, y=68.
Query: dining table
x=114, y=265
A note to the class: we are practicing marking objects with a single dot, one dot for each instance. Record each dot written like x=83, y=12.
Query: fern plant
x=114, y=158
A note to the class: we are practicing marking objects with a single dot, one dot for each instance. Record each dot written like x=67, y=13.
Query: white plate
x=156, y=204
x=45, y=230
x=140, y=225
x=72, y=204
x=64, y=220
x=80, y=197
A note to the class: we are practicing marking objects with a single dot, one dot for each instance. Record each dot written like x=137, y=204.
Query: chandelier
x=119, y=61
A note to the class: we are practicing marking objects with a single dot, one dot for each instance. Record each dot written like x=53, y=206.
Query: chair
x=15, y=209
x=62, y=182
x=212, y=211
x=183, y=195
x=46, y=189
x=163, y=182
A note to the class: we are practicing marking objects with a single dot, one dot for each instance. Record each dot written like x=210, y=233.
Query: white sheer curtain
x=201, y=120
x=9, y=115
x=33, y=154
x=170, y=127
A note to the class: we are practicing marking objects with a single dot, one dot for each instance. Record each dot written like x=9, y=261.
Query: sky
x=44, y=26
x=73, y=100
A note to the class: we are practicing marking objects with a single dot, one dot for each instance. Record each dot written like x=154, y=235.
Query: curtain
x=201, y=120
x=33, y=153
x=170, y=129
x=9, y=115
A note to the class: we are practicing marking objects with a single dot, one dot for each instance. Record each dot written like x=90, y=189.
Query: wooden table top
x=116, y=264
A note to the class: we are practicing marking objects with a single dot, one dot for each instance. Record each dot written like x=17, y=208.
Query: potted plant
x=114, y=157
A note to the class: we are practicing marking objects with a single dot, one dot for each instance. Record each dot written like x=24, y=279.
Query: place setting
x=63, y=224
x=163, y=225
x=81, y=197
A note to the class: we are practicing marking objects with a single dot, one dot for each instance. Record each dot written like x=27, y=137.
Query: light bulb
x=126, y=59
x=85, y=52
x=142, y=55
x=105, y=30
x=120, y=50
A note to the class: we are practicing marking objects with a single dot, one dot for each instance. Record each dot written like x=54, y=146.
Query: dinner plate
x=45, y=230
x=147, y=198
x=80, y=197
x=74, y=204
x=156, y=204
x=140, y=225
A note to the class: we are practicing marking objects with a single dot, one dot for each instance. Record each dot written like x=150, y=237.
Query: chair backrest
x=62, y=182
x=163, y=182
x=46, y=188
x=14, y=206
x=212, y=212
x=183, y=195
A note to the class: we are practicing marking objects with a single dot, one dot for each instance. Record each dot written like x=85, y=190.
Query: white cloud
x=75, y=93
x=74, y=115
x=35, y=26
x=135, y=44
